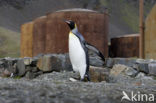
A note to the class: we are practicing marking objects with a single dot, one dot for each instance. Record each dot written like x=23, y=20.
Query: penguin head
x=71, y=24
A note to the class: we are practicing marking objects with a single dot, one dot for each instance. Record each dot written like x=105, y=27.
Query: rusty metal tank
x=50, y=32
x=125, y=46
x=26, y=39
x=39, y=36
x=91, y=24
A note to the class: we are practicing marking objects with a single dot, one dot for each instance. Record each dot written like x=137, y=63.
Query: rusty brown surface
x=49, y=34
x=92, y=25
x=141, y=29
x=39, y=36
x=150, y=35
x=126, y=46
x=26, y=39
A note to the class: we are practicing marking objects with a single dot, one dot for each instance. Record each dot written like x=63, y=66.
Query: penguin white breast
x=77, y=54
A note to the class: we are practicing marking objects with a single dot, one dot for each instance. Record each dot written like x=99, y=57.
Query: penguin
x=78, y=51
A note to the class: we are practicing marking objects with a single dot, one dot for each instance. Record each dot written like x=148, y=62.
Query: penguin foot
x=87, y=76
x=86, y=79
x=82, y=80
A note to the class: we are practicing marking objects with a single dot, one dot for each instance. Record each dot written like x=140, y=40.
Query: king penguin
x=78, y=52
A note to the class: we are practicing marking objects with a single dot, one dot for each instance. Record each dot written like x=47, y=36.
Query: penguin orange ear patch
x=75, y=25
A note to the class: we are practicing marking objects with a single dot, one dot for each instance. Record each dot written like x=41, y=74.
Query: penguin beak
x=67, y=21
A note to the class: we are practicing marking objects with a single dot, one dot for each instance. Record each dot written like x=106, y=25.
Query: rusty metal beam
x=141, y=29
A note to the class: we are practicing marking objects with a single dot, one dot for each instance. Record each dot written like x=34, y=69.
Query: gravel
x=56, y=87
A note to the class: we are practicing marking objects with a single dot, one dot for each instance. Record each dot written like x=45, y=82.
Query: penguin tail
x=94, y=49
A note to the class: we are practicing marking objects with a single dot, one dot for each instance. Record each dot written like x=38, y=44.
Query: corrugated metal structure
x=125, y=46
x=93, y=25
x=39, y=35
x=50, y=34
x=26, y=39
x=150, y=35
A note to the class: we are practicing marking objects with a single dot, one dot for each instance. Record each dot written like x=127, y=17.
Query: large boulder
x=98, y=74
x=21, y=67
x=143, y=65
x=54, y=62
x=119, y=69
x=110, y=62
x=152, y=68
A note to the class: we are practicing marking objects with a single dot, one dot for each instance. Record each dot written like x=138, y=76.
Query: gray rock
x=143, y=76
x=21, y=69
x=27, y=60
x=1, y=62
x=119, y=69
x=34, y=61
x=38, y=73
x=31, y=61
x=34, y=69
x=30, y=75
x=28, y=68
x=1, y=71
x=142, y=65
x=109, y=62
x=54, y=62
x=32, y=72
x=140, y=75
x=152, y=68
x=9, y=64
x=131, y=72
x=96, y=61
x=98, y=74
x=67, y=65
x=31, y=69
x=45, y=63
x=124, y=61
x=56, y=87
x=1, y=66
x=6, y=73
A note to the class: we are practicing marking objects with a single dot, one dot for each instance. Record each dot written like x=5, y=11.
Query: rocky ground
x=49, y=79
x=56, y=87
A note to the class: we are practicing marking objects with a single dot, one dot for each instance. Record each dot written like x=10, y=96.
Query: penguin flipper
x=94, y=49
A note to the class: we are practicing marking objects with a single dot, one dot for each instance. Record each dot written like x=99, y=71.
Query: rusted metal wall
x=39, y=35
x=50, y=33
x=150, y=35
x=26, y=39
x=125, y=46
x=92, y=25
